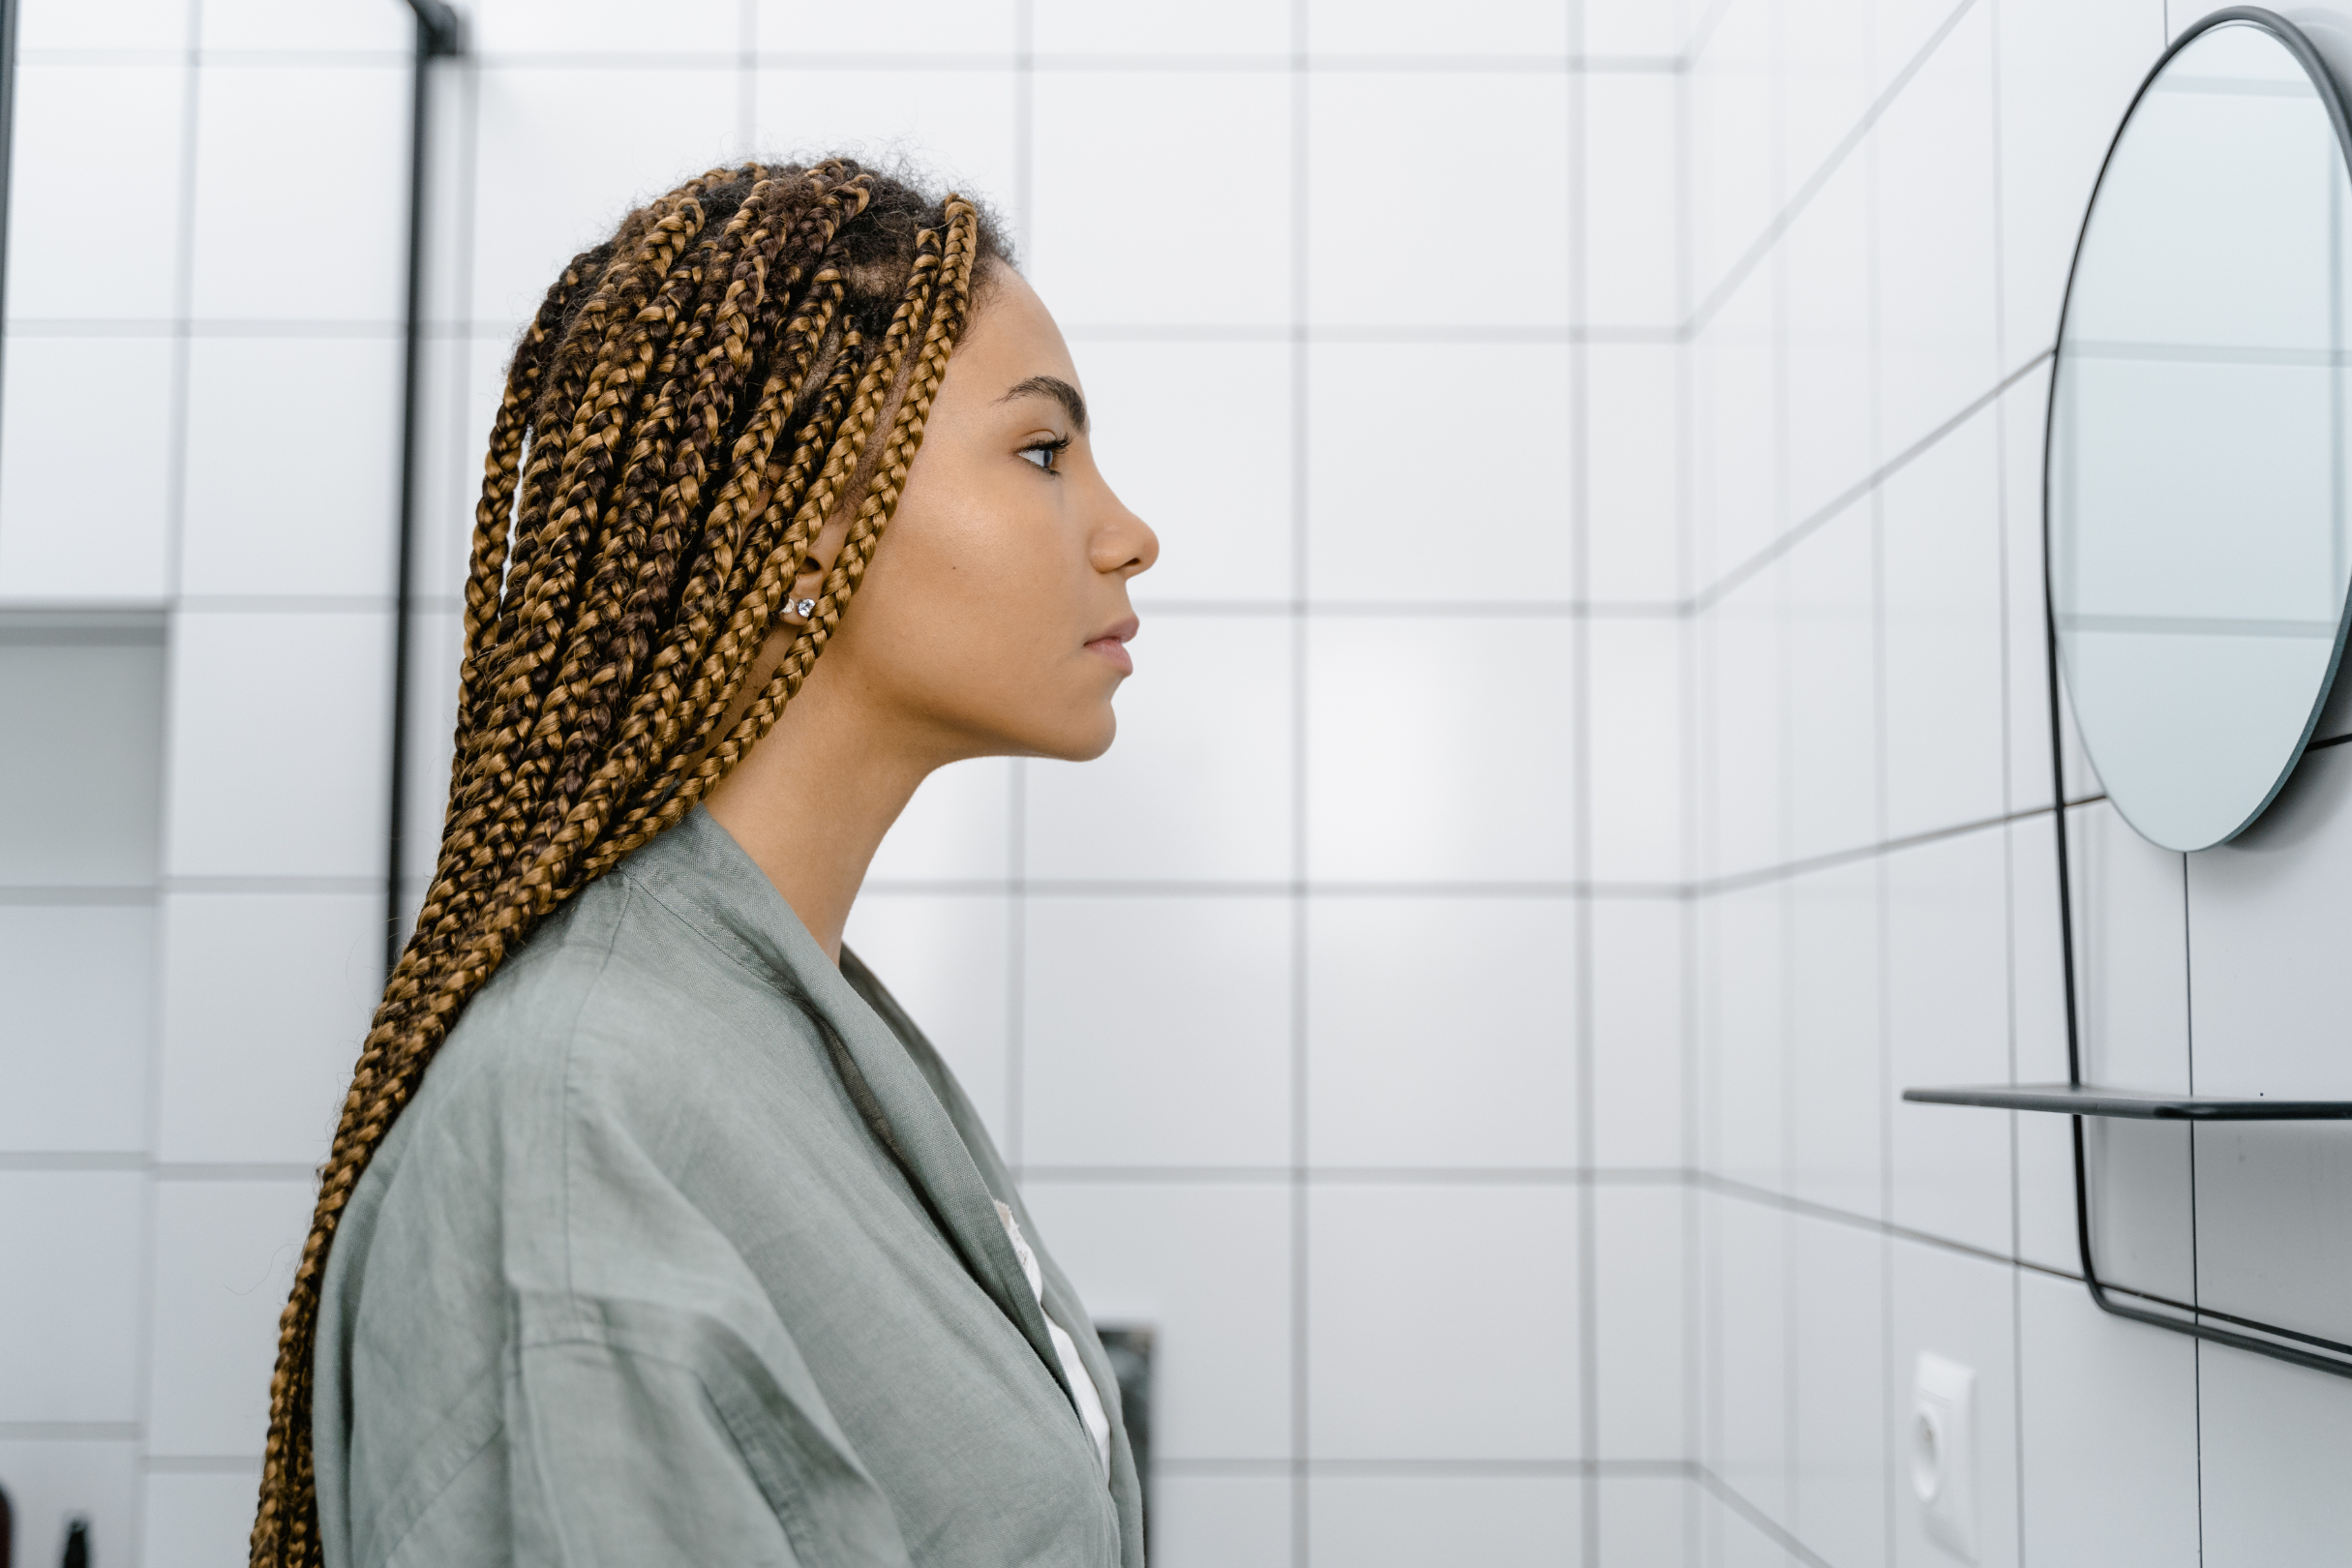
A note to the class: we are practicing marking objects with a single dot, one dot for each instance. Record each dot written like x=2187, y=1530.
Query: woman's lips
x=1115, y=650
x=1112, y=645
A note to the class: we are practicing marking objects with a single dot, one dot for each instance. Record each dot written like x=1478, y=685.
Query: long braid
x=693, y=401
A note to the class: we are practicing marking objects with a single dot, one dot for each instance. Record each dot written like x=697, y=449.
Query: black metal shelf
x=2143, y=1104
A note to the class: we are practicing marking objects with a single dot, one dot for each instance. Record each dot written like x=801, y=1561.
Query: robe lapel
x=700, y=865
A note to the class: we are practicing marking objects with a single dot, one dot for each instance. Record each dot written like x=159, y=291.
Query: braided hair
x=748, y=357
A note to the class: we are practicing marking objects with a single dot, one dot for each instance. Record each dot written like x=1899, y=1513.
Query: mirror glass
x=2197, y=463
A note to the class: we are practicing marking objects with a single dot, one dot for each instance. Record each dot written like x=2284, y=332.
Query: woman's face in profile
x=995, y=609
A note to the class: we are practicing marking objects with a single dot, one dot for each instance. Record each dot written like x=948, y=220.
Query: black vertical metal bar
x=437, y=34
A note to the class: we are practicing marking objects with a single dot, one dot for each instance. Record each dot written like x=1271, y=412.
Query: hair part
x=749, y=356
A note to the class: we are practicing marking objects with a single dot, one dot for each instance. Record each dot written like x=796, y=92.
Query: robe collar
x=698, y=870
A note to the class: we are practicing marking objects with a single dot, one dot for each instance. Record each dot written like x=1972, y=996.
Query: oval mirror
x=2197, y=466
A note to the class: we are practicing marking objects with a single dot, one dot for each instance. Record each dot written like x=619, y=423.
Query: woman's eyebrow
x=1054, y=387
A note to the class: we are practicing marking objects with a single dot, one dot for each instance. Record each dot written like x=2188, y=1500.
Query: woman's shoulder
x=615, y=1012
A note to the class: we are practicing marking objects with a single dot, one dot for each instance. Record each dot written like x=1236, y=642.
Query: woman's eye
x=1045, y=454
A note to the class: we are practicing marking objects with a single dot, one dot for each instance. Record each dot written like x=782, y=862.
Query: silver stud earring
x=803, y=607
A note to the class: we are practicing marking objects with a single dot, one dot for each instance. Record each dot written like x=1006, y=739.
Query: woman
x=654, y=1231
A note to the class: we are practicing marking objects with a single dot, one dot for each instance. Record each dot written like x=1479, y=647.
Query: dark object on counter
x=8, y=1530
x=1129, y=1345
x=78, y=1544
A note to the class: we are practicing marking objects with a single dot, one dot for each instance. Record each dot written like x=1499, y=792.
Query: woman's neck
x=811, y=802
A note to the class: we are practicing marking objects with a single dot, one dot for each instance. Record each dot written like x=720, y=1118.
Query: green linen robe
x=686, y=1251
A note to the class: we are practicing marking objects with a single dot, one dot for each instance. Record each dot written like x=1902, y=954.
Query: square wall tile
x=1634, y=479
x=1965, y=1311
x=1750, y=1421
x=1744, y=726
x=1936, y=225
x=435, y=639
x=1947, y=1021
x=1642, y=1239
x=2025, y=612
x=1633, y=27
x=1840, y=1448
x=1220, y=1522
x=338, y=134
x=1406, y=1522
x=2142, y=1189
x=1648, y=1520
x=1497, y=27
x=1207, y=1266
x=2272, y=1243
x=1196, y=438
x=293, y=465
x=224, y=1256
x=1824, y=263
x=466, y=381
x=80, y=984
x=1734, y=187
x=1833, y=686
x=267, y=998
x=196, y=1519
x=1373, y=137
x=1635, y=750
x=51, y=1481
x=1744, y=1072
x=1417, y=1008
x=1825, y=81
x=124, y=24
x=1199, y=785
x=2271, y=1440
x=958, y=826
x=1384, y=521
x=2263, y=910
x=71, y=256
x=2131, y=952
x=1836, y=1091
x=1451, y=761
x=955, y=125
x=2107, y=1427
x=71, y=1299
x=278, y=738
x=1098, y=132
x=947, y=959
x=1155, y=1031
x=555, y=170
x=2037, y=1020
x=80, y=782
x=1632, y=155
x=1738, y=497
x=1640, y=1046
x=619, y=27
x=1443, y=1322
x=1945, y=635
x=923, y=27
x=1212, y=27
x=293, y=24
x=61, y=536
x=2069, y=69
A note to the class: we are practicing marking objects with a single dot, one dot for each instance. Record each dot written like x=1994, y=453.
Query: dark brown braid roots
x=748, y=357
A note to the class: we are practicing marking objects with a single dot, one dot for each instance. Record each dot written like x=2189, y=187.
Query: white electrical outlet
x=1942, y=1450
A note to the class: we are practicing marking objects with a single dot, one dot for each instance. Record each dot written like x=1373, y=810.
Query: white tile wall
x=1389, y=504
x=1401, y=1521
x=1453, y=764
x=1374, y=1325
x=1417, y=1007
x=1442, y=1321
x=1155, y=1031
x=72, y=1295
